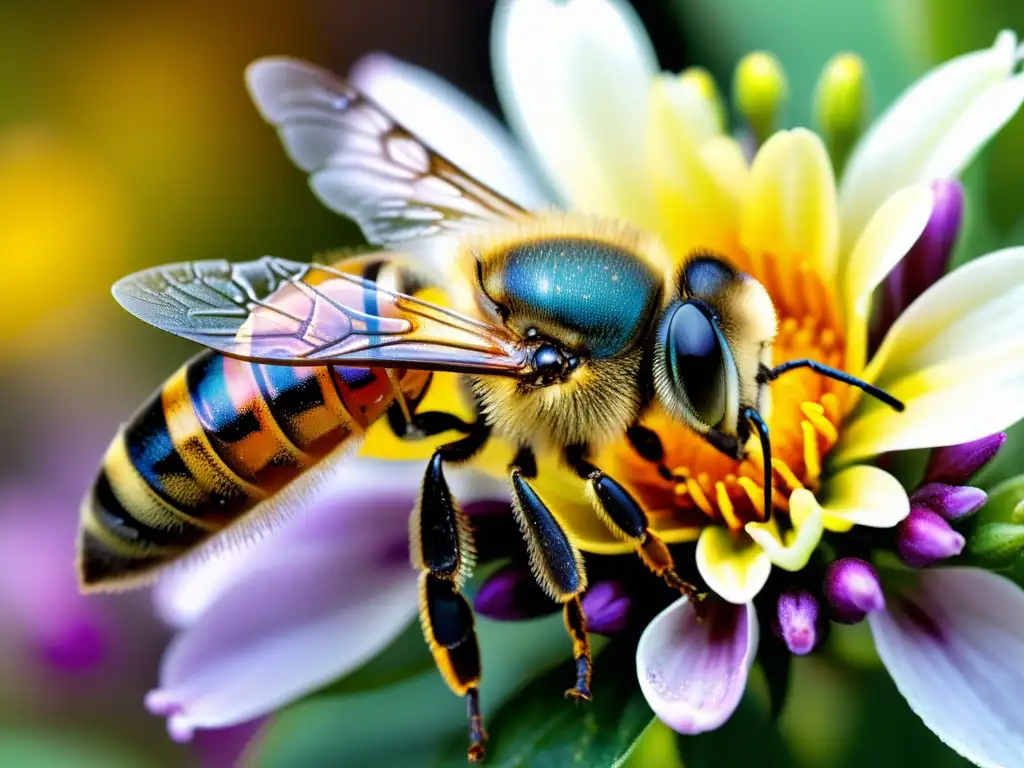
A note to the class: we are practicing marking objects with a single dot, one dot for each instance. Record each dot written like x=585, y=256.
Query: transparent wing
x=363, y=163
x=278, y=311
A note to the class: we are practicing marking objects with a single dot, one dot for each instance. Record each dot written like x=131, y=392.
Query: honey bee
x=567, y=329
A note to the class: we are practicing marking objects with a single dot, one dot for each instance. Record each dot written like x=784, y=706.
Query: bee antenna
x=771, y=374
x=766, y=453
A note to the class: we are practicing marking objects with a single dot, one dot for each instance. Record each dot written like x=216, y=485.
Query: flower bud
x=841, y=105
x=512, y=594
x=924, y=538
x=853, y=590
x=951, y=501
x=927, y=259
x=760, y=90
x=956, y=464
x=703, y=83
x=799, y=621
x=606, y=606
x=996, y=545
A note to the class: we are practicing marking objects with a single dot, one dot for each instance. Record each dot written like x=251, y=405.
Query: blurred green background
x=127, y=140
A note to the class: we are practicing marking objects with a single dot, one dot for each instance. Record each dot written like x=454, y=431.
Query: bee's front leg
x=556, y=563
x=441, y=546
x=626, y=519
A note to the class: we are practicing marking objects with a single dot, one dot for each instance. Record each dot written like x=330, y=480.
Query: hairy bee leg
x=627, y=520
x=441, y=545
x=556, y=564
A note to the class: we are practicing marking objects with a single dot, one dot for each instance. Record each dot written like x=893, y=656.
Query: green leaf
x=1004, y=503
x=540, y=728
x=60, y=749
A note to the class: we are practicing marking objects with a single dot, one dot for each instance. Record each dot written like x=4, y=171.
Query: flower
x=580, y=85
x=264, y=624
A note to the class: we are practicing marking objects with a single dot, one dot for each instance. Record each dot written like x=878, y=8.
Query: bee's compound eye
x=696, y=361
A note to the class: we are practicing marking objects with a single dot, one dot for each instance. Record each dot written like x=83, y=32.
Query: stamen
x=755, y=493
x=699, y=498
x=812, y=461
x=815, y=413
x=726, y=508
x=786, y=474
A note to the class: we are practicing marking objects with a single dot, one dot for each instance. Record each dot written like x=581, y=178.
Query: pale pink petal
x=693, y=672
x=953, y=642
x=451, y=123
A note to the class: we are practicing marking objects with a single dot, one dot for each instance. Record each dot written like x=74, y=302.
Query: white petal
x=954, y=645
x=933, y=130
x=451, y=123
x=574, y=79
x=892, y=231
x=956, y=359
x=693, y=672
x=734, y=567
x=863, y=495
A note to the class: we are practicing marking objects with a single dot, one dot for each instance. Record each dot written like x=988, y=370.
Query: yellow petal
x=696, y=210
x=735, y=568
x=792, y=551
x=891, y=232
x=863, y=495
x=791, y=213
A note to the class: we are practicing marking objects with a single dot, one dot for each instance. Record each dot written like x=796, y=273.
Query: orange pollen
x=706, y=485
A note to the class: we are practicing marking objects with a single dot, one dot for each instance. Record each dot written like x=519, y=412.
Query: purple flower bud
x=512, y=594
x=606, y=605
x=927, y=259
x=799, y=621
x=956, y=464
x=925, y=538
x=853, y=590
x=950, y=501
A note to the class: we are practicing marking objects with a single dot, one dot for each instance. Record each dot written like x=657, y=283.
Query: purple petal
x=925, y=538
x=692, y=672
x=607, y=605
x=956, y=464
x=954, y=645
x=316, y=598
x=950, y=501
x=512, y=594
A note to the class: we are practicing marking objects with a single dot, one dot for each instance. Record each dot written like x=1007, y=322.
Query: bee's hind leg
x=556, y=563
x=627, y=520
x=441, y=546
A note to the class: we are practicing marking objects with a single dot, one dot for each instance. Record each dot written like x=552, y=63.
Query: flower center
x=704, y=484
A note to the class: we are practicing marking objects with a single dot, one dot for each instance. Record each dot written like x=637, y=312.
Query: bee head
x=712, y=340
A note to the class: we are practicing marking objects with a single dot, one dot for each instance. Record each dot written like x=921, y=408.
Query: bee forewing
x=278, y=311
x=364, y=164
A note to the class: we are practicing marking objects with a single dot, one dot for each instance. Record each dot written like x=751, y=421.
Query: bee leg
x=409, y=425
x=627, y=520
x=556, y=563
x=441, y=546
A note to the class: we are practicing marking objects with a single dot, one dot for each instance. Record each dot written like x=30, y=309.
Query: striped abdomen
x=219, y=440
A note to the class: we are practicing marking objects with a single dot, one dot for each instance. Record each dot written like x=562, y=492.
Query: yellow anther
x=815, y=413
x=760, y=90
x=841, y=105
x=786, y=474
x=726, y=508
x=755, y=493
x=699, y=497
x=701, y=81
x=812, y=458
